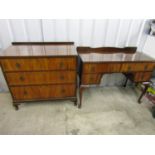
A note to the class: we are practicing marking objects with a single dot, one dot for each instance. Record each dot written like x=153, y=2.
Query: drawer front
x=101, y=68
x=32, y=78
x=129, y=67
x=91, y=79
x=142, y=76
x=43, y=92
x=36, y=64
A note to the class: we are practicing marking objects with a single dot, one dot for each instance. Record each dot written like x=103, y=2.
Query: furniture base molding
x=16, y=103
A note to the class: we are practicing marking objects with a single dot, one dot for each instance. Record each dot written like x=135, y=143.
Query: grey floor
x=108, y=110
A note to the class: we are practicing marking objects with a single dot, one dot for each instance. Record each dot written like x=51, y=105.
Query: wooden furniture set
x=36, y=71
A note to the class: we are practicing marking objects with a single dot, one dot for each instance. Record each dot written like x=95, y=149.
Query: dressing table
x=95, y=62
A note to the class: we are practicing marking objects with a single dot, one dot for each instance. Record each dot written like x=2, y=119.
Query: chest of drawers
x=40, y=71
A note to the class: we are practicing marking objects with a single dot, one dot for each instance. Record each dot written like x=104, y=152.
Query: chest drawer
x=101, y=67
x=43, y=92
x=34, y=78
x=36, y=64
x=129, y=67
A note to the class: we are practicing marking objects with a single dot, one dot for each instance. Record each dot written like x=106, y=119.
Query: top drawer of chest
x=38, y=64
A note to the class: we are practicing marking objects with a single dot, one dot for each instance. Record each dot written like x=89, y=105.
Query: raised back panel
x=82, y=49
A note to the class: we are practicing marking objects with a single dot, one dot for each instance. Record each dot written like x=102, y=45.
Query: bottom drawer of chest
x=43, y=92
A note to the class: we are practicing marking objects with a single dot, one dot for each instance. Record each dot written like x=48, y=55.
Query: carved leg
x=143, y=93
x=126, y=81
x=80, y=103
x=16, y=106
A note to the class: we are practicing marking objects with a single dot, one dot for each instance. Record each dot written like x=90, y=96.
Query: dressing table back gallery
x=37, y=71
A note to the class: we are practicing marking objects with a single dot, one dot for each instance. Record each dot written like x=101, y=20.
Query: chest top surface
x=39, y=50
x=116, y=57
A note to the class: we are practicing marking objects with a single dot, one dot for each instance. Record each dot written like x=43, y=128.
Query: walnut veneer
x=95, y=62
x=40, y=71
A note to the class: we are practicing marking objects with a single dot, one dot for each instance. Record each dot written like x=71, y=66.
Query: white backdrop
x=95, y=33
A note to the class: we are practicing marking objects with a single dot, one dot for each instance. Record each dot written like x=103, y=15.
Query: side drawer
x=142, y=76
x=131, y=67
x=101, y=67
x=91, y=79
x=43, y=92
x=36, y=64
x=36, y=78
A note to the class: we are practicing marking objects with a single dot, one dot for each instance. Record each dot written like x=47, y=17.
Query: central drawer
x=37, y=64
x=101, y=67
x=43, y=92
x=35, y=78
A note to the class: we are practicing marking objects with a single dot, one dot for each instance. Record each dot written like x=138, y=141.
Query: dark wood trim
x=42, y=43
x=84, y=49
x=47, y=99
x=37, y=56
x=104, y=62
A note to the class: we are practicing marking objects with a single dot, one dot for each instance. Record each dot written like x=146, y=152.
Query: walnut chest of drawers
x=40, y=71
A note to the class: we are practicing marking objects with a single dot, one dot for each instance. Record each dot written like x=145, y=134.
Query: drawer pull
x=146, y=66
x=61, y=64
x=129, y=68
x=62, y=77
x=92, y=69
x=62, y=90
x=91, y=79
x=25, y=92
x=17, y=65
x=21, y=78
x=142, y=77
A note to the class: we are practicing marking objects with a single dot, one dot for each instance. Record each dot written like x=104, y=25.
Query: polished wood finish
x=95, y=62
x=43, y=92
x=40, y=71
x=37, y=78
x=38, y=64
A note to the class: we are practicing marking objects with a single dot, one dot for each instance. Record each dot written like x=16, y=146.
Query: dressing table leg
x=143, y=93
x=126, y=81
x=80, y=103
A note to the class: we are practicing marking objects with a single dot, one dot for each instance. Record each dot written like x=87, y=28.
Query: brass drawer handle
x=129, y=68
x=61, y=64
x=62, y=90
x=17, y=65
x=25, y=92
x=146, y=66
x=91, y=78
x=21, y=78
x=62, y=77
x=142, y=77
x=92, y=69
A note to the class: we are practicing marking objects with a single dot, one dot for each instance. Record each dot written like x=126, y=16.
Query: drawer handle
x=92, y=69
x=142, y=77
x=25, y=92
x=62, y=77
x=61, y=64
x=22, y=78
x=146, y=66
x=17, y=65
x=91, y=79
x=62, y=90
x=129, y=68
